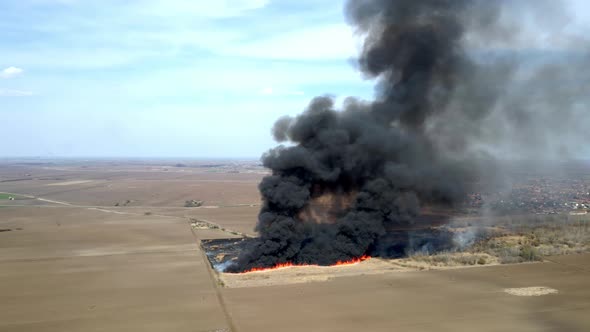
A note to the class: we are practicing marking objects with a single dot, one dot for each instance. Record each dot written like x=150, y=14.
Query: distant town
x=538, y=195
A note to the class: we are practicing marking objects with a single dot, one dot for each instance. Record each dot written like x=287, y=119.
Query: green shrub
x=529, y=253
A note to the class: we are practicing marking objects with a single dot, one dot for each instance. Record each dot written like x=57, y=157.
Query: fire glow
x=289, y=264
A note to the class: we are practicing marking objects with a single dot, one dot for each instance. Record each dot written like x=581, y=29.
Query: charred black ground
x=221, y=253
x=438, y=106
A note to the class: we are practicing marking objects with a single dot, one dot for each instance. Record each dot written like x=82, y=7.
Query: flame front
x=289, y=264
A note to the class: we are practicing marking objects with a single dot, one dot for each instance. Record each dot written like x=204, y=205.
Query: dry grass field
x=74, y=261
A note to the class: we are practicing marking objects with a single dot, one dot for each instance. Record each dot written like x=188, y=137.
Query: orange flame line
x=289, y=264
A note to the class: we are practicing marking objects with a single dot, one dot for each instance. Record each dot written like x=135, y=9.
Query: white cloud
x=11, y=72
x=210, y=77
x=267, y=91
x=75, y=58
x=110, y=33
x=325, y=42
x=15, y=93
x=211, y=9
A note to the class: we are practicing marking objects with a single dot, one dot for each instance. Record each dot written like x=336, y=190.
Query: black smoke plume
x=351, y=176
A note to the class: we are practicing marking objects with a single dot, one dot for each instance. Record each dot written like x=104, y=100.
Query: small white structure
x=10, y=198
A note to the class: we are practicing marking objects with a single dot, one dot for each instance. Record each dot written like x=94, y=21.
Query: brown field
x=73, y=261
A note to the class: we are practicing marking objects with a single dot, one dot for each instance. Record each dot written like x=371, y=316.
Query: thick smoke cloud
x=444, y=108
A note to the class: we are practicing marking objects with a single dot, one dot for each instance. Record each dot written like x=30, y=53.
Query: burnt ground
x=395, y=244
x=222, y=252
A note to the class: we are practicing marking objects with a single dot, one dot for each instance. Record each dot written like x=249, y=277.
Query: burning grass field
x=511, y=240
x=74, y=264
x=346, y=198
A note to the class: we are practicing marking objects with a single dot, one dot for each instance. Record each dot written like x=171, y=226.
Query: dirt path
x=108, y=209
x=215, y=284
x=108, y=272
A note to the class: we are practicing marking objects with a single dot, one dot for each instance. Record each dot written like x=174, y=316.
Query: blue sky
x=174, y=78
